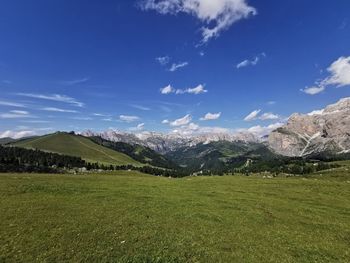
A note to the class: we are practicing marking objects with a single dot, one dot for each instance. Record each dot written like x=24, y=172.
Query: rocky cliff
x=326, y=130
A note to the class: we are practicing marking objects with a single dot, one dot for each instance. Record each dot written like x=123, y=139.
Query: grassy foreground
x=131, y=217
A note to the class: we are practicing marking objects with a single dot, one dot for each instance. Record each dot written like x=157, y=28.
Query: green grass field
x=73, y=145
x=130, y=217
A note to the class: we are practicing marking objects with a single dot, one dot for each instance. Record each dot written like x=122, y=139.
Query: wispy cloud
x=74, y=81
x=181, y=121
x=217, y=16
x=163, y=60
x=54, y=97
x=12, y=104
x=175, y=66
x=139, y=127
x=313, y=90
x=58, y=110
x=252, y=116
x=100, y=115
x=250, y=62
x=16, y=114
x=82, y=118
x=269, y=116
x=37, y=121
x=128, y=118
x=211, y=116
x=140, y=107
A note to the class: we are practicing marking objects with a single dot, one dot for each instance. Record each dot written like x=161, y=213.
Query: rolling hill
x=6, y=140
x=137, y=152
x=75, y=145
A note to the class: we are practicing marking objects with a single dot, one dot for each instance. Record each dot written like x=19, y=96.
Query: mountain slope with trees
x=79, y=146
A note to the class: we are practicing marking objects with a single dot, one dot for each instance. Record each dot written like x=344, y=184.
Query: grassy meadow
x=131, y=217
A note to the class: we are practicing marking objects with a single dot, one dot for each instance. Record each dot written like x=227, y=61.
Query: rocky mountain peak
x=318, y=131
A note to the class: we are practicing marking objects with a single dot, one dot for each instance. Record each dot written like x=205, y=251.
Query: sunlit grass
x=130, y=217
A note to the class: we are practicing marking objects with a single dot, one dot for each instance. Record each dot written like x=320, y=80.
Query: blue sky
x=168, y=65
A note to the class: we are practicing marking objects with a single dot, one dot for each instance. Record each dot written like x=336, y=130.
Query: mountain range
x=319, y=135
x=326, y=130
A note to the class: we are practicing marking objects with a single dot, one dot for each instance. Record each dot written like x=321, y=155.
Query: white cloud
x=139, y=127
x=211, y=116
x=58, y=110
x=192, y=128
x=16, y=114
x=175, y=66
x=36, y=121
x=54, y=97
x=100, y=115
x=74, y=82
x=128, y=118
x=12, y=104
x=167, y=90
x=313, y=90
x=182, y=121
x=339, y=76
x=252, y=116
x=251, y=62
x=82, y=118
x=339, y=73
x=20, y=112
x=261, y=131
x=216, y=15
x=16, y=134
x=271, y=102
x=140, y=107
x=269, y=116
x=163, y=60
x=197, y=90
x=165, y=121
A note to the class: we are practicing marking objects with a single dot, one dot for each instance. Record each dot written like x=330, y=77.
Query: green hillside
x=74, y=145
x=137, y=152
x=6, y=140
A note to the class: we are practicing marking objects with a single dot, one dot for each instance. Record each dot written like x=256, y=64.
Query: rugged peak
x=341, y=105
x=320, y=130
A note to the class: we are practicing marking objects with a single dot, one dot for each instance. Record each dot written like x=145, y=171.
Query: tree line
x=14, y=159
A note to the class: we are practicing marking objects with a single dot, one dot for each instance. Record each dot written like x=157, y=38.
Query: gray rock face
x=318, y=131
x=164, y=143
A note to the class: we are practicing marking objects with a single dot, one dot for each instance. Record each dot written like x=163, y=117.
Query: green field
x=130, y=217
x=73, y=145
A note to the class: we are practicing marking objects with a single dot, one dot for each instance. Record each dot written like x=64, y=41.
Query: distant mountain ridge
x=326, y=130
x=164, y=143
